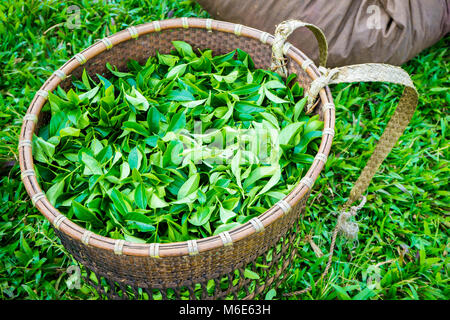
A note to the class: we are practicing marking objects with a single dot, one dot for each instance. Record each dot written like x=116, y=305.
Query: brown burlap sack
x=384, y=31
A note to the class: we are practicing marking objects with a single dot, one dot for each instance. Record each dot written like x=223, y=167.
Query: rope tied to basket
x=317, y=85
x=282, y=32
x=348, y=228
x=368, y=72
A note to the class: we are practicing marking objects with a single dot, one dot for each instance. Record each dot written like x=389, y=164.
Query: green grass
x=402, y=249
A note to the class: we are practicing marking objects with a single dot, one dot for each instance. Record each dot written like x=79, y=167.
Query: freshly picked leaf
x=137, y=100
x=186, y=145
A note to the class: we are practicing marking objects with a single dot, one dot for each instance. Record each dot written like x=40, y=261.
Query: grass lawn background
x=403, y=245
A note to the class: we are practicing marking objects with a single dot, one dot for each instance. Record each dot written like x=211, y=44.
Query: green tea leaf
x=135, y=158
x=135, y=127
x=124, y=170
x=200, y=216
x=91, y=165
x=153, y=118
x=180, y=95
x=225, y=214
x=229, y=78
x=235, y=168
x=43, y=151
x=193, y=104
x=250, y=274
x=140, y=196
x=55, y=191
x=119, y=201
x=270, y=294
x=274, y=179
x=290, y=132
x=156, y=202
x=274, y=84
x=84, y=214
x=189, y=186
x=273, y=97
x=137, y=100
x=176, y=71
x=259, y=173
x=69, y=132
x=167, y=59
x=117, y=73
x=177, y=122
x=136, y=216
x=298, y=108
x=184, y=49
x=89, y=95
x=140, y=227
x=226, y=227
x=315, y=125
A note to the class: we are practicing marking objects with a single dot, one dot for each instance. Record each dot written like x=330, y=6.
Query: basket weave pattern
x=175, y=267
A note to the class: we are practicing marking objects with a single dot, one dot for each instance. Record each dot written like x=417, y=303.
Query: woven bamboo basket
x=208, y=268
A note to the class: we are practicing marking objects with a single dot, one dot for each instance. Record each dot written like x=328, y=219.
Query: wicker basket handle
x=373, y=72
x=282, y=32
x=369, y=72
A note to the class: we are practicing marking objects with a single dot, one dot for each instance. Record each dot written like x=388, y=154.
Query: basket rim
x=181, y=248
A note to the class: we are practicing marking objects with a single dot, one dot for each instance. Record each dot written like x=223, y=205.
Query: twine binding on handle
x=282, y=32
x=264, y=37
x=185, y=22
x=37, y=197
x=328, y=106
x=328, y=131
x=153, y=250
x=80, y=58
x=317, y=85
x=321, y=157
x=257, y=224
x=30, y=117
x=157, y=26
x=192, y=247
x=118, y=246
x=58, y=220
x=86, y=236
x=208, y=25
x=42, y=93
x=307, y=182
x=284, y=205
x=307, y=63
x=25, y=143
x=238, y=29
x=133, y=32
x=60, y=74
x=28, y=173
x=226, y=238
x=286, y=47
x=108, y=44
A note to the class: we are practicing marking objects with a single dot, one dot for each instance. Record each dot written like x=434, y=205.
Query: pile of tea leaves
x=183, y=147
